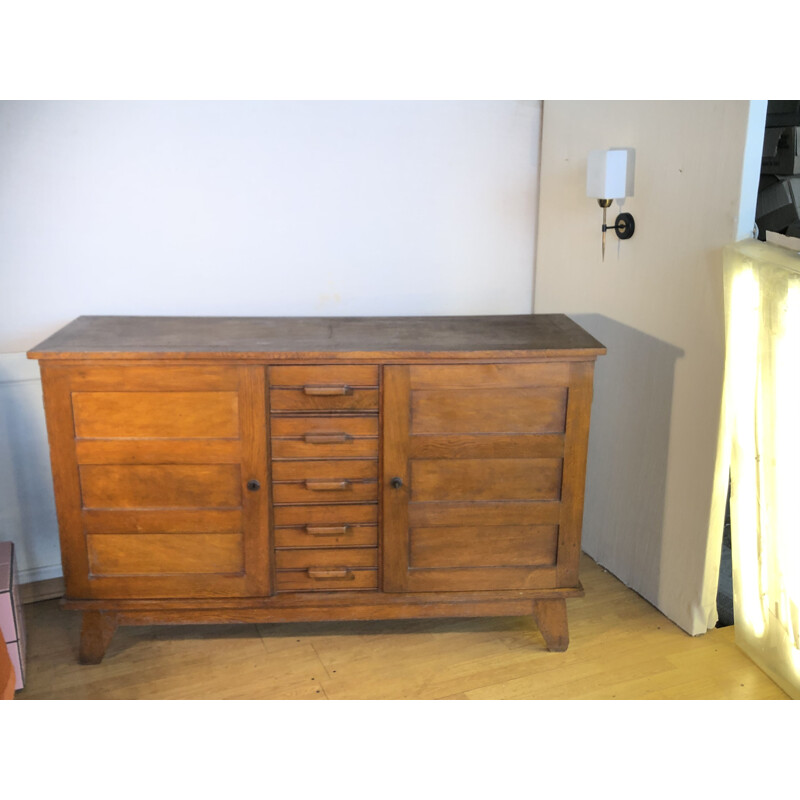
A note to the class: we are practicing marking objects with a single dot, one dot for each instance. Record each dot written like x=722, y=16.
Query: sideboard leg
x=96, y=632
x=551, y=618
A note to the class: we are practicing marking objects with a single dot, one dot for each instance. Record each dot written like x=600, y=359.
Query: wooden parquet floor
x=621, y=647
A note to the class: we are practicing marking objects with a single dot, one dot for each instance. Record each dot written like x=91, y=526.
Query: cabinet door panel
x=486, y=546
x=171, y=415
x=528, y=410
x=471, y=479
x=489, y=461
x=161, y=486
x=167, y=554
x=151, y=466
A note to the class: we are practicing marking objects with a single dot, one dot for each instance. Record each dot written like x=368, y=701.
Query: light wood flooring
x=621, y=647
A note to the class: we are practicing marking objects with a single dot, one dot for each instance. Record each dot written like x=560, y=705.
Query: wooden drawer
x=331, y=481
x=329, y=374
x=341, y=535
x=330, y=470
x=302, y=581
x=331, y=388
x=328, y=569
x=327, y=558
x=324, y=398
x=300, y=516
x=326, y=491
x=333, y=436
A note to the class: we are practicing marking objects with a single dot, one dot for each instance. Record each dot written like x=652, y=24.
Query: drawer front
x=327, y=557
x=326, y=491
x=341, y=535
x=329, y=374
x=326, y=388
x=325, y=471
x=323, y=398
x=332, y=436
x=326, y=580
x=300, y=516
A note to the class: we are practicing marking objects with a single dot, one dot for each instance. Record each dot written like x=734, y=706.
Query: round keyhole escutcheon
x=253, y=486
x=396, y=483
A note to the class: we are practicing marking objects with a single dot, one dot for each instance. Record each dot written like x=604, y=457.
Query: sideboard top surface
x=337, y=338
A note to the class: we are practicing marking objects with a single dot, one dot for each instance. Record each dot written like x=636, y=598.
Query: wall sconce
x=609, y=176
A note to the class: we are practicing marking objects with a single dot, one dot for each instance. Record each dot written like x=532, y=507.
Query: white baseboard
x=40, y=574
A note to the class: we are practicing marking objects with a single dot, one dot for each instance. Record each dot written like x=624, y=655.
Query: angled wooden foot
x=551, y=618
x=96, y=632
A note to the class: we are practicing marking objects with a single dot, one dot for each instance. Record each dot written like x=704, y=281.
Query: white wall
x=657, y=304
x=262, y=208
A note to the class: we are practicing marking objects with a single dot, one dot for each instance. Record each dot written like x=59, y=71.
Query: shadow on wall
x=628, y=447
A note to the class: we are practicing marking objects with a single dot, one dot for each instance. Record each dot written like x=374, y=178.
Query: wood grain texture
x=299, y=427
x=353, y=469
x=96, y=632
x=575, y=448
x=56, y=391
x=156, y=414
x=502, y=410
x=271, y=339
x=327, y=535
x=326, y=375
x=551, y=619
x=492, y=479
x=205, y=520
x=165, y=554
x=298, y=400
x=161, y=486
x=361, y=513
x=158, y=451
x=489, y=376
x=326, y=580
x=327, y=557
x=330, y=436
x=326, y=491
x=484, y=546
x=487, y=445
x=500, y=513
x=395, y=464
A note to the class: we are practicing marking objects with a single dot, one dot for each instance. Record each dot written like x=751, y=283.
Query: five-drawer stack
x=324, y=434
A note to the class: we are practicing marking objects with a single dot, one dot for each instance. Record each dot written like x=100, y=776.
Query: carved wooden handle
x=341, y=573
x=327, y=530
x=327, y=486
x=326, y=391
x=326, y=438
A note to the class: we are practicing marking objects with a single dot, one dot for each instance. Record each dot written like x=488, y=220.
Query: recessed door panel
x=473, y=481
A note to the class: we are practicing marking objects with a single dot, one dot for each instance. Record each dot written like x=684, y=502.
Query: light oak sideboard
x=224, y=469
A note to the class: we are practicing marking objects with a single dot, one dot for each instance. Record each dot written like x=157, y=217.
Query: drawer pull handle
x=327, y=530
x=326, y=438
x=331, y=574
x=327, y=391
x=327, y=486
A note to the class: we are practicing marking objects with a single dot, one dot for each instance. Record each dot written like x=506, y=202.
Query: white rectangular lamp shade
x=609, y=173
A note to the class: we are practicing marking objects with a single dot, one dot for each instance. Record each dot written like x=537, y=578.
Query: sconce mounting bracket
x=624, y=225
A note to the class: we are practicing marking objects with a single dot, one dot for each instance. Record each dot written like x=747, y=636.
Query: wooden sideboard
x=225, y=469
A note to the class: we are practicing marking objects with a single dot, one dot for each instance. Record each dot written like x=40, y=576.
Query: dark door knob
x=396, y=483
x=253, y=486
